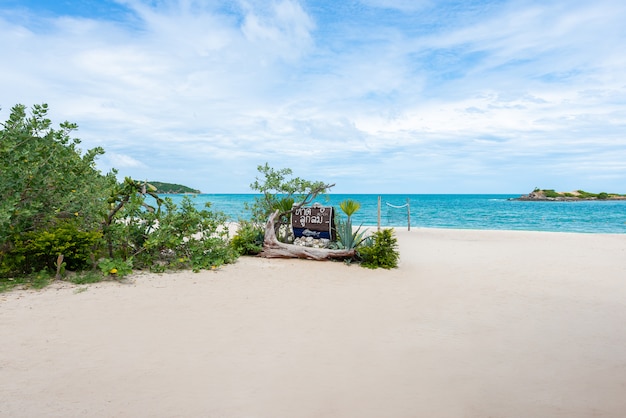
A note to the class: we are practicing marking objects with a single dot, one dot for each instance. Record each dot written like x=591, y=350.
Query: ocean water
x=471, y=211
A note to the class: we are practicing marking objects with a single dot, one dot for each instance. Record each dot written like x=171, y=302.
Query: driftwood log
x=272, y=248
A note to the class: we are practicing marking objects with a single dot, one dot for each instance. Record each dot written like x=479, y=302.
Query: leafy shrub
x=380, y=250
x=249, y=239
x=551, y=193
x=54, y=202
x=185, y=238
x=37, y=250
x=585, y=195
x=116, y=267
x=45, y=179
x=603, y=196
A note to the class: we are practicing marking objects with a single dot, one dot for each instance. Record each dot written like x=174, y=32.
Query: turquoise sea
x=459, y=211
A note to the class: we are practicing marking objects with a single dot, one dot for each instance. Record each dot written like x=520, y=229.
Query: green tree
x=283, y=193
x=45, y=180
x=57, y=210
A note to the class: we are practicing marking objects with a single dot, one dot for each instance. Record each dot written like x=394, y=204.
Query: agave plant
x=346, y=237
x=349, y=207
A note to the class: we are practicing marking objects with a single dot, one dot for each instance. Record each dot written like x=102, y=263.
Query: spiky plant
x=349, y=207
x=349, y=239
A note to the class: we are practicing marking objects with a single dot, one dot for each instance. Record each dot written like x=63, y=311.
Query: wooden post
x=408, y=212
x=378, y=213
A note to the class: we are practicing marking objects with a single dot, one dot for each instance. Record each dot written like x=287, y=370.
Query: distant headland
x=551, y=195
x=171, y=188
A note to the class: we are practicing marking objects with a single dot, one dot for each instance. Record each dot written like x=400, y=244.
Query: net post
x=408, y=212
x=379, y=213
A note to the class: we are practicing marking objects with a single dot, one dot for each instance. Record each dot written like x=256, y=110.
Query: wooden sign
x=314, y=221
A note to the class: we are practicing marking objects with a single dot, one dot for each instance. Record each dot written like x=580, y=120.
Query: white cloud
x=122, y=161
x=379, y=96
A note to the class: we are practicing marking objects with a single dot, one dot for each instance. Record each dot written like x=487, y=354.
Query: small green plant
x=41, y=279
x=116, y=268
x=87, y=277
x=380, y=250
x=347, y=238
x=249, y=239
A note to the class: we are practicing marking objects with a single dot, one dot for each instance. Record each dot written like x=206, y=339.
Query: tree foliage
x=283, y=193
x=48, y=188
x=58, y=211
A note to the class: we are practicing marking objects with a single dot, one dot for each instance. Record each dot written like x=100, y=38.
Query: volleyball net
x=394, y=215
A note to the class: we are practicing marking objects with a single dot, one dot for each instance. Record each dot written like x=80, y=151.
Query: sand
x=472, y=324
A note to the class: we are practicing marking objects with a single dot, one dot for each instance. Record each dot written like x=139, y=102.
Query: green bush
x=185, y=238
x=380, y=250
x=551, y=193
x=54, y=202
x=116, y=268
x=585, y=195
x=249, y=239
x=37, y=250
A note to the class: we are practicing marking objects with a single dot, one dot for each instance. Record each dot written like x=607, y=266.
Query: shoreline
x=473, y=323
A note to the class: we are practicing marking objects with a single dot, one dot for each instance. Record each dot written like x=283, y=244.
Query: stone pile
x=312, y=242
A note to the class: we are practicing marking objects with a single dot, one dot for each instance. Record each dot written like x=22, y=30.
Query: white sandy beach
x=472, y=324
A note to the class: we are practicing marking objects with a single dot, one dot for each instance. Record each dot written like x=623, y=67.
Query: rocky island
x=551, y=195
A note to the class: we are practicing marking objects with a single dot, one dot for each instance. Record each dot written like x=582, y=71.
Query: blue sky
x=377, y=96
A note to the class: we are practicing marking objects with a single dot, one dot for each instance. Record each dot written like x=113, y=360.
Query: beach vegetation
x=50, y=195
x=347, y=237
x=380, y=250
x=551, y=193
x=60, y=215
x=176, y=237
x=249, y=238
x=86, y=277
x=41, y=249
x=349, y=207
x=116, y=268
x=281, y=192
